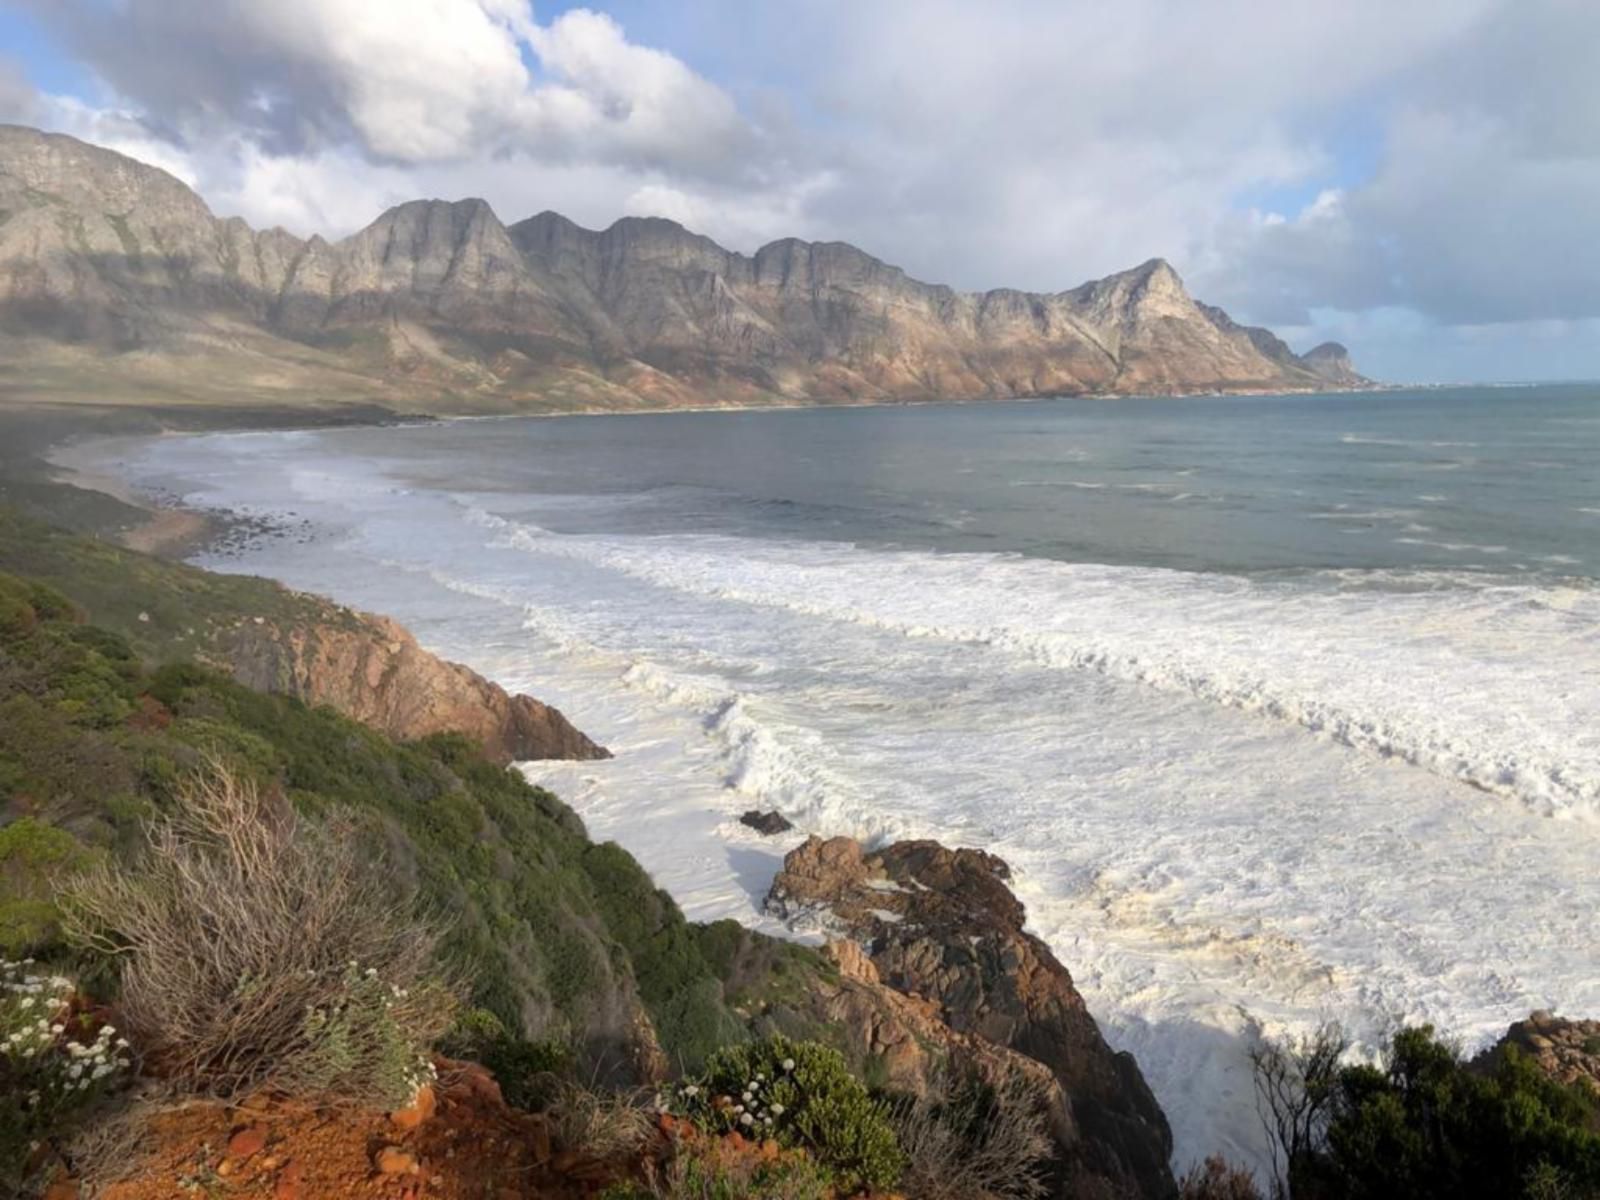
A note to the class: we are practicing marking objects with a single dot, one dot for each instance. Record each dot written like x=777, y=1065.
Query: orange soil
x=473, y=1148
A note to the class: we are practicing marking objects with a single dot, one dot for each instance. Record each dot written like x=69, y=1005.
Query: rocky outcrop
x=1331, y=361
x=1566, y=1050
x=943, y=927
x=371, y=669
x=439, y=304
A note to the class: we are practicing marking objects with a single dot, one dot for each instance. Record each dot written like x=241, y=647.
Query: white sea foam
x=1281, y=651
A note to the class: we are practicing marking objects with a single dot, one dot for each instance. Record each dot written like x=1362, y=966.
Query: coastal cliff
x=575, y=965
x=275, y=640
x=943, y=926
x=371, y=669
x=114, y=271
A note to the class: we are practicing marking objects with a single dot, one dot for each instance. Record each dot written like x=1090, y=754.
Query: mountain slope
x=109, y=265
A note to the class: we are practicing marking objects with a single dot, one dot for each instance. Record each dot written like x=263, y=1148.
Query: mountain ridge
x=108, y=264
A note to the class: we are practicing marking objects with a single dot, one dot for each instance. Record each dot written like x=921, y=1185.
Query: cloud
x=19, y=100
x=405, y=81
x=631, y=103
x=1481, y=210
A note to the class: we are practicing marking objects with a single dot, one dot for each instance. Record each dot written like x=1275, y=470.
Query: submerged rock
x=769, y=823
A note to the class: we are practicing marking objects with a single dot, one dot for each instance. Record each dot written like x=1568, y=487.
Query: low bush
x=702, y=1174
x=1218, y=1179
x=53, y=1065
x=31, y=854
x=260, y=950
x=530, y=1074
x=602, y=1124
x=802, y=1095
x=975, y=1140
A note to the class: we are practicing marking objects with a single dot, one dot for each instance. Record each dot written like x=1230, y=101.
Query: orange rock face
x=373, y=671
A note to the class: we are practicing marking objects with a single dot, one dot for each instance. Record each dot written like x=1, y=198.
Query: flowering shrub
x=47, y=1070
x=802, y=1095
x=360, y=1036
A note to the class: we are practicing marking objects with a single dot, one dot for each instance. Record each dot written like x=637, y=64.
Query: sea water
x=1282, y=709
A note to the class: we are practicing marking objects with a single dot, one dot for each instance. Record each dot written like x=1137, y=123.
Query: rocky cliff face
x=1331, y=361
x=942, y=926
x=1566, y=1050
x=372, y=670
x=441, y=305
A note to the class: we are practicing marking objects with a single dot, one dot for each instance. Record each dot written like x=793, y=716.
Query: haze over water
x=1281, y=707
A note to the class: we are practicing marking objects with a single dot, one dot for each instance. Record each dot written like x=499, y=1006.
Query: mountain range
x=117, y=282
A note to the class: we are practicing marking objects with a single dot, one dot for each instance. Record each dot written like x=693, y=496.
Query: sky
x=1418, y=179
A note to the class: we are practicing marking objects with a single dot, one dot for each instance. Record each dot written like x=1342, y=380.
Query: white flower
x=58, y=1030
x=747, y=1119
x=75, y=1070
x=788, y=1064
x=777, y=1110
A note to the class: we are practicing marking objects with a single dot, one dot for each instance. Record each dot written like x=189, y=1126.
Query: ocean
x=1281, y=708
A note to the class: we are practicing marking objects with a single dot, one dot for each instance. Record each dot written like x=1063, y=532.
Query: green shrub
x=802, y=1095
x=51, y=1068
x=1428, y=1126
x=529, y=1073
x=31, y=855
x=676, y=982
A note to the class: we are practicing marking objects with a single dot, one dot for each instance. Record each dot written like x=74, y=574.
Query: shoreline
x=696, y=860
x=72, y=453
x=172, y=531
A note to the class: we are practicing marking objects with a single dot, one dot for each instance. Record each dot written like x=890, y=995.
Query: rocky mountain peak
x=1148, y=292
x=100, y=252
x=1331, y=361
x=1328, y=352
x=51, y=169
